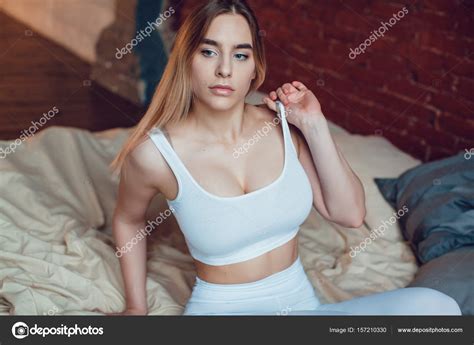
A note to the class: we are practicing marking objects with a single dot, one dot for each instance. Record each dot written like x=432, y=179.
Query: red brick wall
x=414, y=85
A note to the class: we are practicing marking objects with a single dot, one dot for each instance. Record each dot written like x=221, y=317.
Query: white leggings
x=290, y=292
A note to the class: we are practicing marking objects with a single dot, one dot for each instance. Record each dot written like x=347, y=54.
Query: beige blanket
x=56, y=250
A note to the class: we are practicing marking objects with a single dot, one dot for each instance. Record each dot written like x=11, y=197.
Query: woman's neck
x=224, y=126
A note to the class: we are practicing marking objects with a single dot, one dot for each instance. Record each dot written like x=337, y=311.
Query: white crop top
x=225, y=230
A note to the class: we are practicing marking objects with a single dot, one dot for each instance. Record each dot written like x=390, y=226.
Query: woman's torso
x=223, y=175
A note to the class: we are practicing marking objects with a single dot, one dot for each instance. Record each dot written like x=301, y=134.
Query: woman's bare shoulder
x=146, y=164
x=261, y=110
x=266, y=114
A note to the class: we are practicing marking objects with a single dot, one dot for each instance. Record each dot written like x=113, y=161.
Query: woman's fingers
x=287, y=88
x=282, y=96
x=270, y=103
x=300, y=86
x=295, y=97
x=284, y=93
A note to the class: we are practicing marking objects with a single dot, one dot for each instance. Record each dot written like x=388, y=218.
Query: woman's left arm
x=338, y=192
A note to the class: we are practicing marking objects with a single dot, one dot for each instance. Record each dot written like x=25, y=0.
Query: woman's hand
x=300, y=103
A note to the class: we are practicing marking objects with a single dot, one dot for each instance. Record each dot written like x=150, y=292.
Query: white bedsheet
x=57, y=256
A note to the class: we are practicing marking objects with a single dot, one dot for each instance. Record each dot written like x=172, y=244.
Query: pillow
x=438, y=199
x=452, y=274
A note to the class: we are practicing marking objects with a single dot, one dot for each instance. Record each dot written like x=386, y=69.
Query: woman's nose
x=224, y=69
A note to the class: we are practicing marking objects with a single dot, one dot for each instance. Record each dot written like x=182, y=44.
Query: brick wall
x=413, y=86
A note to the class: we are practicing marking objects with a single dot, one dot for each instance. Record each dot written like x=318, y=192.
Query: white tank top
x=225, y=230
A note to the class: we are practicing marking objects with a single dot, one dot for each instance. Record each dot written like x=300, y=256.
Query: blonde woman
x=239, y=191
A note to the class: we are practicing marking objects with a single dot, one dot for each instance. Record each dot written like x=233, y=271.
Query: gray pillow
x=452, y=274
x=440, y=199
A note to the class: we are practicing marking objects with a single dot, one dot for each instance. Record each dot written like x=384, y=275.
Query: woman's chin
x=221, y=103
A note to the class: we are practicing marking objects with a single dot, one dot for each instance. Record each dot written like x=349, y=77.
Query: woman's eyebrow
x=237, y=46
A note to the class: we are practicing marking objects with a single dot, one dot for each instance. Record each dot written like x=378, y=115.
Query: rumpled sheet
x=56, y=249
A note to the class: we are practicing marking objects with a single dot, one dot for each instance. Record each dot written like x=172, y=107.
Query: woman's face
x=224, y=57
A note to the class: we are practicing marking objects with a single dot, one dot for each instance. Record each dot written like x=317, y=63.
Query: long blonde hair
x=172, y=99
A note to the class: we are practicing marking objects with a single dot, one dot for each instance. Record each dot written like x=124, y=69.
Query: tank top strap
x=282, y=115
x=159, y=139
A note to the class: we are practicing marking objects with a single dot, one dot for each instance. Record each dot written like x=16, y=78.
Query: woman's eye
x=244, y=57
x=206, y=51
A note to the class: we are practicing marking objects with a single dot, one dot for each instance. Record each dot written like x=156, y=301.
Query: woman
x=238, y=192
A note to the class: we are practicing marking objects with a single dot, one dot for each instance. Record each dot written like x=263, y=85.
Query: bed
x=57, y=253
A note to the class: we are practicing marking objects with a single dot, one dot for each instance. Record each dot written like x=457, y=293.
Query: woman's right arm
x=137, y=188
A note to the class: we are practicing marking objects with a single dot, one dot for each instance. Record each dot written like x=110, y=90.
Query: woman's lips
x=219, y=91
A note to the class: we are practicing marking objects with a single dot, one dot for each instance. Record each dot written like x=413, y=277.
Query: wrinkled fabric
x=56, y=249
